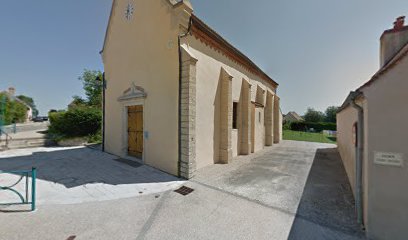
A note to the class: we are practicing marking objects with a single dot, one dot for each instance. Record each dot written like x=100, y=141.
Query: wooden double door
x=135, y=131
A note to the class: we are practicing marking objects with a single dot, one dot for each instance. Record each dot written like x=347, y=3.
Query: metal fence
x=26, y=197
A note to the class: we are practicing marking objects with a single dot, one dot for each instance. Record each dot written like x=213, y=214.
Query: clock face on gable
x=129, y=11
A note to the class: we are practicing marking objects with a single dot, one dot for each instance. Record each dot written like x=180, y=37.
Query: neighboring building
x=179, y=97
x=11, y=95
x=292, y=117
x=372, y=140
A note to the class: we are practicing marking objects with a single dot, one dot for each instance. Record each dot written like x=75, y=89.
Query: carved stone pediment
x=133, y=93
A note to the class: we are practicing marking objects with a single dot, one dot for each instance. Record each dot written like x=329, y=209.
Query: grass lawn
x=308, y=137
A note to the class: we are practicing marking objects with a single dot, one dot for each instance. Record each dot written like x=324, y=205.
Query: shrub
x=298, y=126
x=78, y=122
x=304, y=126
x=286, y=126
x=322, y=126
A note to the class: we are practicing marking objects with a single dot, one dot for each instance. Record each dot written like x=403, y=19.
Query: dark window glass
x=234, y=115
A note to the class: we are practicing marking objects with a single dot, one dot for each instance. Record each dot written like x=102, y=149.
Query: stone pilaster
x=187, y=162
x=225, y=117
x=276, y=120
x=245, y=130
x=183, y=10
x=269, y=119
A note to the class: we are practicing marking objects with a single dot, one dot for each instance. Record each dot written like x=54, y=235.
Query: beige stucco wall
x=280, y=130
x=208, y=73
x=144, y=51
x=29, y=114
x=387, y=116
x=345, y=121
x=385, y=194
x=259, y=129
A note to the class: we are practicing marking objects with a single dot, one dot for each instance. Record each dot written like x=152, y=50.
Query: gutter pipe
x=359, y=158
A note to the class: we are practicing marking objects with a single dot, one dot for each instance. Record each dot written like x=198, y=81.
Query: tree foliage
x=92, y=81
x=314, y=116
x=30, y=102
x=13, y=111
x=84, y=116
x=330, y=114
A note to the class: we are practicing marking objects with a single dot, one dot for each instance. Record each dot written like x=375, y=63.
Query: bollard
x=33, y=189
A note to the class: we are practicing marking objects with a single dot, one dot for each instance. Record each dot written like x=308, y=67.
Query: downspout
x=359, y=158
x=179, y=88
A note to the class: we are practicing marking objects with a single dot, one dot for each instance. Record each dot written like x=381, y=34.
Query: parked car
x=38, y=119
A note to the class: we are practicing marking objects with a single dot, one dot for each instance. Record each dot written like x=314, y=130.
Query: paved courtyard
x=81, y=174
x=294, y=190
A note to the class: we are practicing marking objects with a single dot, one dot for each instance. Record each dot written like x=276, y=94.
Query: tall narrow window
x=259, y=116
x=234, y=115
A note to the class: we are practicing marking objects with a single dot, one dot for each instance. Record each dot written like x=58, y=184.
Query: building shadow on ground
x=326, y=209
x=81, y=166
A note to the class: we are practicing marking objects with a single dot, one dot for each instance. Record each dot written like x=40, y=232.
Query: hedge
x=304, y=126
x=78, y=122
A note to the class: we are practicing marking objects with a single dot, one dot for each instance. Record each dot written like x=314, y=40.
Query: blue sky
x=317, y=50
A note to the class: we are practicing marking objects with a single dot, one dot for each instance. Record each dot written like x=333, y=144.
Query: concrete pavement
x=255, y=197
x=26, y=127
x=81, y=174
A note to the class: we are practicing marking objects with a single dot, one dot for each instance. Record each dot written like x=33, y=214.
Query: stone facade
x=277, y=120
x=225, y=117
x=246, y=118
x=188, y=115
x=269, y=119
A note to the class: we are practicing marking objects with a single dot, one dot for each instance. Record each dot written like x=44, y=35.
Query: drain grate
x=184, y=190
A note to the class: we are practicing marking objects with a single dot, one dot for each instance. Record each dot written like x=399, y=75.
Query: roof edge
x=226, y=47
x=393, y=62
x=352, y=95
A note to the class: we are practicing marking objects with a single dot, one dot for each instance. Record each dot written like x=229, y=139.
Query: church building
x=178, y=96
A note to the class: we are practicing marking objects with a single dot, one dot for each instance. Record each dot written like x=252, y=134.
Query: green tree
x=92, y=81
x=84, y=115
x=13, y=112
x=77, y=102
x=331, y=113
x=314, y=116
x=30, y=102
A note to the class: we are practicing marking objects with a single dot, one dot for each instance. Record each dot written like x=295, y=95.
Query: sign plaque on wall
x=389, y=159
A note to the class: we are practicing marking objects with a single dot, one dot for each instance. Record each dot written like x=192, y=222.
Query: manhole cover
x=184, y=190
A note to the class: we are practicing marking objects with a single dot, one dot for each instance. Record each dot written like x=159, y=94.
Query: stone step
x=30, y=143
x=3, y=147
